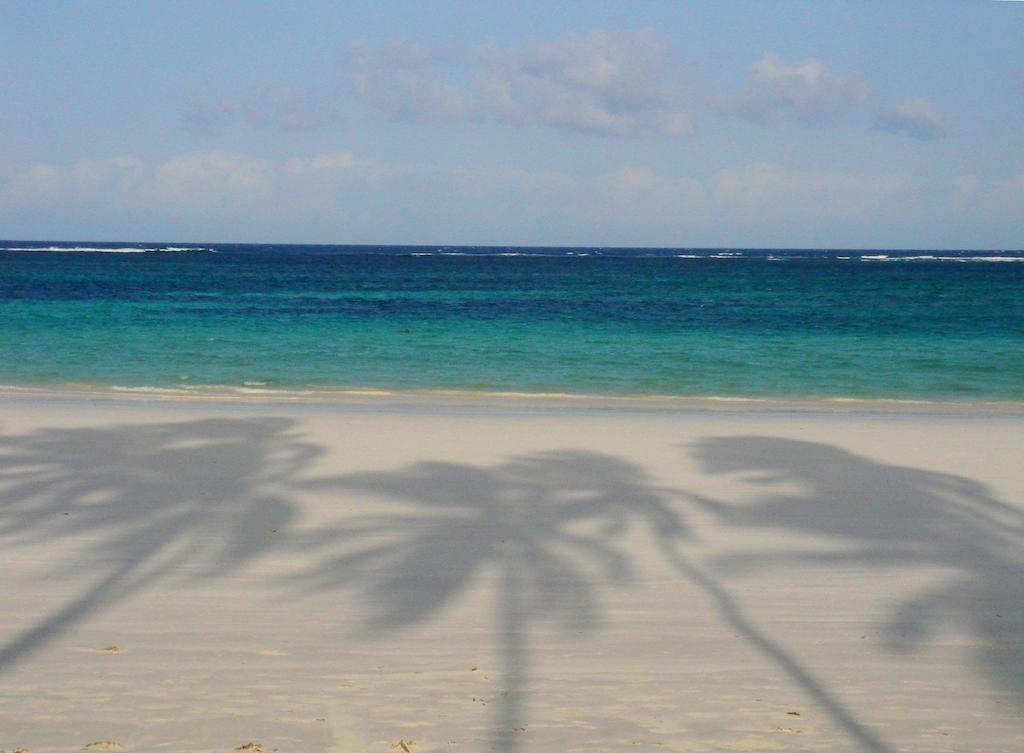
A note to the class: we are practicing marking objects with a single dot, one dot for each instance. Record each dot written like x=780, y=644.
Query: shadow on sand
x=153, y=500
x=889, y=518
x=203, y=498
x=552, y=529
x=547, y=527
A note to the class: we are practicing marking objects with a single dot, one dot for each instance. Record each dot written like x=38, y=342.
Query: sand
x=455, y=575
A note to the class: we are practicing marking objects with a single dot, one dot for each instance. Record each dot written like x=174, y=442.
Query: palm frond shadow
x=550, y=528
x=154, y=500
x=547, y=527
x=885, y=516
x=140, y=503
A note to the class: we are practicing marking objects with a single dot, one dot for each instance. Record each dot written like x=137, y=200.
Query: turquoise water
x=638, y=322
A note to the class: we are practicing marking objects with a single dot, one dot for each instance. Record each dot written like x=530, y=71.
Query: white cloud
x=640, y=192
x=205, y=117
x=608, y=83
x=283, y=110
x=35, y=184
x=210, y=180
x=991, y=200
x=619, y=84
x=774, y=192
x=403, y=80
x=42, y=184
x=1011, y=189
x=344, y=168
x=633, y=179
x=289, y=110
x=808, y=90
x=917, y=118
x=320, y=162
x=201, y=188
x=345, y=197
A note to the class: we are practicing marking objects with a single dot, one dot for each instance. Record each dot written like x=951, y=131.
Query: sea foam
x=106, y=250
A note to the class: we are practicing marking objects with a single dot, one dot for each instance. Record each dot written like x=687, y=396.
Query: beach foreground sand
x=437, y=576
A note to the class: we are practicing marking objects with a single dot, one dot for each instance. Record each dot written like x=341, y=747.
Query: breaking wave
x=110, y=249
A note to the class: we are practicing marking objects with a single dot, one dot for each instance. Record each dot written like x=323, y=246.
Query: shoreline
x=557, y=401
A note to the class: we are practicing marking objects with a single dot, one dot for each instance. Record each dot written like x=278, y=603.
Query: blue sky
x=771, y=124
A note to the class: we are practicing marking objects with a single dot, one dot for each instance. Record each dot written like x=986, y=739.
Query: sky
x=779, y=124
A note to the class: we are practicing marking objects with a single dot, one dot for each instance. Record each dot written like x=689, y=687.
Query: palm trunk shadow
x=512, y=624
x=116, y=586
x=732, y=614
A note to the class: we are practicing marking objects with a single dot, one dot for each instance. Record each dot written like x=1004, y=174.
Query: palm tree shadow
x=886, y=516
x=549, y=528
x=152, y=500
x=552, y=528
x=156, y=501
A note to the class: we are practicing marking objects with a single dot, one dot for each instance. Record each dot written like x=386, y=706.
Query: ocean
x=934, y=325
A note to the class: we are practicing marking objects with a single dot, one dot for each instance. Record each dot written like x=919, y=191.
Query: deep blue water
x=921, y=324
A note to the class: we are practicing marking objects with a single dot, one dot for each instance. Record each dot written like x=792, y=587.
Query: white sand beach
x=425, y=575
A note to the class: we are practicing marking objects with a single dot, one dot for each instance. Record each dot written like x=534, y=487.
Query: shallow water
x=881, y=324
